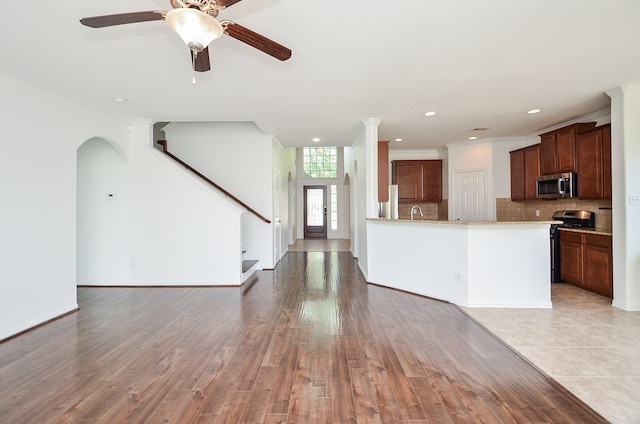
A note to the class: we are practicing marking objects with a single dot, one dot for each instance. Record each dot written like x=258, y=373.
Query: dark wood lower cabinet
x=586, y=261
x=571, y=255
x=598, y=264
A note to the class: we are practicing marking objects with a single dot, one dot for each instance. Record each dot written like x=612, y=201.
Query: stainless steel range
x=569, y=219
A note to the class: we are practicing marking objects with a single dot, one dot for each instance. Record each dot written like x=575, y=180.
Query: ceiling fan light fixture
x=197, y=29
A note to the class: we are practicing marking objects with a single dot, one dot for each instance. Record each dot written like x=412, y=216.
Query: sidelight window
x=334, y=206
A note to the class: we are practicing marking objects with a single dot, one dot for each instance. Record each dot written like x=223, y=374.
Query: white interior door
x=276, y=215
x=470, y=195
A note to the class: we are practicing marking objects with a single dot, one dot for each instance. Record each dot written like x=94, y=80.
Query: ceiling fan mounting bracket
x=210, y=7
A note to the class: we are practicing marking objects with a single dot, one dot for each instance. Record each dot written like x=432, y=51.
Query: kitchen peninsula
x=472, y=264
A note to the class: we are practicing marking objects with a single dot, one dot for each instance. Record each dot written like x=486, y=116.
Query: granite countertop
x=428, y=221
x=598, y=231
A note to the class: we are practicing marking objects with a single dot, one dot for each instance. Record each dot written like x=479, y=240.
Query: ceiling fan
x=197, y=24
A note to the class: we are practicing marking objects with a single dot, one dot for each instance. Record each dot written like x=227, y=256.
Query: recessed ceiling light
x=429, y=113
x=473, y=138
x=315, y=139
x=398, y=139
x=120, y=100
x=532, y=111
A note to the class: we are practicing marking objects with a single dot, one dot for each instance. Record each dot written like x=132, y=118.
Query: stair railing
x=163, y=143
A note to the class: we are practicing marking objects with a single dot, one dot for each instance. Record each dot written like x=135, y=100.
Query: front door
x=315, y=212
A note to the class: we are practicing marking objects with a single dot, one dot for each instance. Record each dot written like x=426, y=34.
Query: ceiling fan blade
x=226, y=3
x=202, y=62
x=256, y=40
x=122, y=18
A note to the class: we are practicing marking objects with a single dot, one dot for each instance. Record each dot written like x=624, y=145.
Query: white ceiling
x=476, y=63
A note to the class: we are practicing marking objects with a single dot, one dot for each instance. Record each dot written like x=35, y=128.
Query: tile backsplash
x=508, y=210
x=431, y=211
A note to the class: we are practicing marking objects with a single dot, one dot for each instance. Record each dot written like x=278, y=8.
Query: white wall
x=165, y=226
x=41, y=131
x=501, y=166
x=237, y=156
x=284, y=162
x=472, y=156
x=359, y=182
x=104, y=233
x=349, y=169
x=365, y=187
x=625, y=157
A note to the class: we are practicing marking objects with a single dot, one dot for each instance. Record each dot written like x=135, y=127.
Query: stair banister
x=163, y=143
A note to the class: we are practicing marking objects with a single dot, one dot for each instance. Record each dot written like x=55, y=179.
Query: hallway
x=310, y=342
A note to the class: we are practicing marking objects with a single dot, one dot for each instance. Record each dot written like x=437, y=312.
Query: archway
x=102, y=212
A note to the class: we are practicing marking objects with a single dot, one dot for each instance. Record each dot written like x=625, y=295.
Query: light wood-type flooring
x=309, y=342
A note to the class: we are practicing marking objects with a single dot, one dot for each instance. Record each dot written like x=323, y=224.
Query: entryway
x=315, y=211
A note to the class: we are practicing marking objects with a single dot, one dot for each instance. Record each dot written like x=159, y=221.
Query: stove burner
x=574, y=219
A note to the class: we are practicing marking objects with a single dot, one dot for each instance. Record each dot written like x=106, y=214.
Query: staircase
x=249, y=268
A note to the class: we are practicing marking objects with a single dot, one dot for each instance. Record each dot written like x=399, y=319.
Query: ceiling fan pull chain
x=194, y=56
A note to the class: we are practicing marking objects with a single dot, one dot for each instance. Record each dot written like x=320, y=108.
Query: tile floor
x=588, y=346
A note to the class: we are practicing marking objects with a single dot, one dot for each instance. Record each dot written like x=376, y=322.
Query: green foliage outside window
x=321, y=162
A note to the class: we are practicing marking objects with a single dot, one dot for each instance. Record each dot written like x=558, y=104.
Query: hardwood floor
x=310, y=342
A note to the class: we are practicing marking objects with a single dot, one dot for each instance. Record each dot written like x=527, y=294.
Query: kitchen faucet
x=419, y=211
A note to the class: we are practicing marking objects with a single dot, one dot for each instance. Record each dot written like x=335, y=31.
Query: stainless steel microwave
x=557, y=186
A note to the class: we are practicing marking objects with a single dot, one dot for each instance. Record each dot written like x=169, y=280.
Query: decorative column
x=371, y=146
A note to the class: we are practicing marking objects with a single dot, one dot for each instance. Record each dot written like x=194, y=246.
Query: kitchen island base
x=472, y=264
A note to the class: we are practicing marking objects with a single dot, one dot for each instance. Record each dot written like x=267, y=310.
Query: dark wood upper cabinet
x=606, y=161
x=593, y=153
x=525, y=169
x=418, y=180
x=531, y=171
x=383, y=171
x=516, y=159
x=548, y=164
x=566, y=149
x=405, y=175
x=431, y=184
x=558, y=148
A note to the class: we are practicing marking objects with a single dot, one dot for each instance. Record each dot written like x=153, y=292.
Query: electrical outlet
x=634, y=199
x=111, y=196
x=537, y=212
x=458, y=277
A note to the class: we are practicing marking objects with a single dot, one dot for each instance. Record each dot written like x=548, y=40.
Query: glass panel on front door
x=315, y=218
